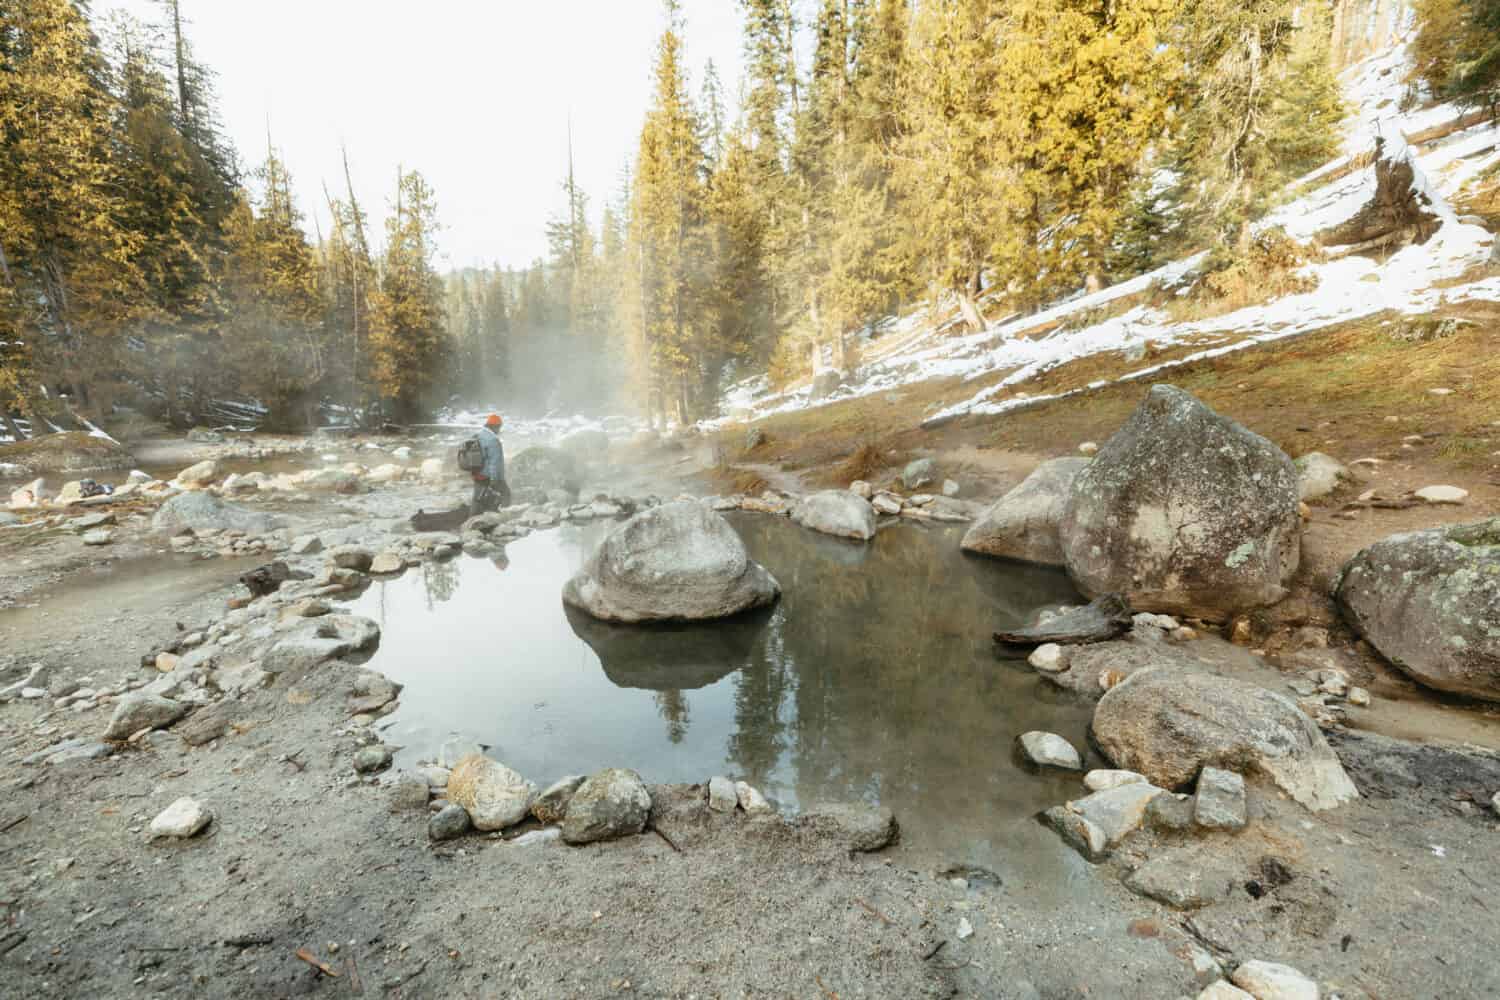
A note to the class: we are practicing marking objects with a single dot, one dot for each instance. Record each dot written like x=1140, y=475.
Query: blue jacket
x=494, y=456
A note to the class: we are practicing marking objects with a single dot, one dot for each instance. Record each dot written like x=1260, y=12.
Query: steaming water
x=873, y=679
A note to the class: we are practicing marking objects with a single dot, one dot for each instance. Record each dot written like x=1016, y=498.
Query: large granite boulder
x=1169, y=724
x=612, y=803
x=1429, y=602
x=837, y=512
x=205, y=512
x=1184, y=511
x=677, y=562
x=1022, y=525
x=540, y=470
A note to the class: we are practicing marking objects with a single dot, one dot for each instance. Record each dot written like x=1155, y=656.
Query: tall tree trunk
x=968, y=304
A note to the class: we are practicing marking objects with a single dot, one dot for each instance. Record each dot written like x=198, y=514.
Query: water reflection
x=872, y=678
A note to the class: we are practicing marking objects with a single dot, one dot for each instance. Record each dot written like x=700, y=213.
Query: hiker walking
x=490, y=490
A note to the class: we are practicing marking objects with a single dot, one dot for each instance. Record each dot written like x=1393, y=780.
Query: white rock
x=1269, y=981
x=1049, y=657
x=1117, y=812
x=1088, y=448
x=1050, y=750
x=1495, y=803
x=860, y=488
x=722, y=796
x=200, y=475
x=432, y=469
x=751, y=800
x=950, y=488
x=965, y=929
x=387, y=562
x=182, y=818
x=886, y=503
x=1359, y=697
x=1102, y=779
x=1222, y=990
x=1442, y=494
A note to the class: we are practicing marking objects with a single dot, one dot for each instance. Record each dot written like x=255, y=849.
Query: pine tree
x=409, y=352
x=351, y=283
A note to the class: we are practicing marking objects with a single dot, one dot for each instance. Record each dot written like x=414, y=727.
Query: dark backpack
x=471, y=455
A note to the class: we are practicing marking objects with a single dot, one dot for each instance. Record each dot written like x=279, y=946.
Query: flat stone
x=1187, y=879
x=1219, y=803
x=1078, y=832
x=1050, y=750
x=182, y=818
x=204, y=726
x=721, y=795
x=1102, y=779
x=1442, y=494
x=449, y=822
x=1270, y=981
x=1117, y=812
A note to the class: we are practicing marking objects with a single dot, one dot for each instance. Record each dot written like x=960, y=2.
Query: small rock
x=1223, y=990
x=1269, y=981
x=751, y=800
x=182, y=818
x=166, y=662
x=1102, y=779
x=409, y=792
x=1220, y=800
x=1049, y=658
x=1170, y=812
x=1442, y=494
x=552, y=805
x=1495, y=803
x=386, y=563
x=99, y=536
x=886, y=503
x=1050, y=750
x=950, y=488
x=1078, y=832
x=1359, y=697
x=306, y=545
x=866, y=828
x=367, y=760
x=721, y=795
x=965, y=929
x=449, y=822
x=351, y=557
x=1116, y=812
x=1088, y=448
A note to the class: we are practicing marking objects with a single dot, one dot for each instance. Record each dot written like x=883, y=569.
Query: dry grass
x=1231, y=280
x=865, y=462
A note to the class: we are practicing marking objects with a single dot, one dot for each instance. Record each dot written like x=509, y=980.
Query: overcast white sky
x=474, y=93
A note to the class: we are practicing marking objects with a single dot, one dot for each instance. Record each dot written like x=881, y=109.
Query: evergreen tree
x=409, y=353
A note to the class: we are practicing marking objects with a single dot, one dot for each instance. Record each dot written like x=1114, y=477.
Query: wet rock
x=1116, y=812
x=1101, y=779
x=268, y=579
x=837, y=512
x=387, y=563
x=1077, y=832
x=352, y=557
x=1050, y=750
x=1169, y=724
x=371, y=692
x=1022, y=525
x=315, y=640
x=449, y=822
x=1101, y=619
x=1319, y=475
x=1188, y=878
x=552, y=805
x=368, y=760
x=612, y=803
x=755, y=804
x=919, y=473
x=1270, y=981
x=677, y=562
x=721, y=795
x=203, y=512
x=139, y=710
x=865, y=828
x=1184, y=512
x=1429, y=602
x=199, y=475
x=1219, y=803
x=184, y=818
x=1049, y=658
x=494, y=796
x=1442, y=494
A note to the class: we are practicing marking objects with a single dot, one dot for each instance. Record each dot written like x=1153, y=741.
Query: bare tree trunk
x=968, y=304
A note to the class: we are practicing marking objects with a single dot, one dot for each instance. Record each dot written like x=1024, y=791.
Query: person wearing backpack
x=490, y=489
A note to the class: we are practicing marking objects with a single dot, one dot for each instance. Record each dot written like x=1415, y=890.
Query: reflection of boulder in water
x=671, y=657
x=772, y=543
x=1018, y=589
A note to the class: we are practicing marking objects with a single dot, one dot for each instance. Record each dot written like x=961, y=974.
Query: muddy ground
x=1389, y=897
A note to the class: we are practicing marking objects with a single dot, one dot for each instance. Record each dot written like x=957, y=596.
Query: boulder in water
x=539, y=470
x=1184, y=511
x=837, y=512
x=1097, y=621
x=1168, y=725
x=677, y=562
x=1429, y=602
x=1022, y=525
x=204, y=512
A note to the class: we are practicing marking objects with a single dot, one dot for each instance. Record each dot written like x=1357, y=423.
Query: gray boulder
x=837, y=512
x=1170, y=724
x=448, y=822
x=1429, y=602
x=1319, y=475
x=1050, y=750
x=1184, y=512
x=539, y=470
x=206, y=512
x=1022, y=525
x=918, y=473
x=864, y=828
x=140, y=710
x=677, y=562
x=612, y=803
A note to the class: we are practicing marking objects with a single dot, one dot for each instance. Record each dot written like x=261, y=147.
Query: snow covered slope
x=1415, y=279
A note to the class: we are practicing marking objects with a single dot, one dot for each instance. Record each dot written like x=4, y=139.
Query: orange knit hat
x=493, y=420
